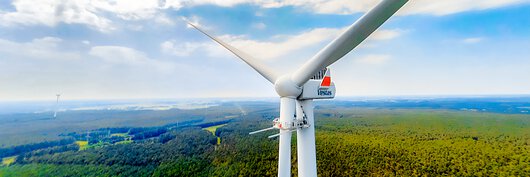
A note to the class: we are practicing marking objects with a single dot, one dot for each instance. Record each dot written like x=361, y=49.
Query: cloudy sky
x=106, y=49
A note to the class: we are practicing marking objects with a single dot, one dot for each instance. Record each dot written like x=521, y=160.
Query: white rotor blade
x=262, y=69
x=347, y=41
x=276, y=135
x=262, y=130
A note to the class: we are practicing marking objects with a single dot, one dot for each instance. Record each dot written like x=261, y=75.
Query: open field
x=82, y=145
x=125, y=142
x=119, y=134
x=212, y=129
x=6, y=161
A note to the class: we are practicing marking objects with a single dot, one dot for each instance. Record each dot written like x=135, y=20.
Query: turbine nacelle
x=319, y=86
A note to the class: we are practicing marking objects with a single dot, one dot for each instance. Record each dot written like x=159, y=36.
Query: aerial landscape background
x=441, y=89
x=356, y=136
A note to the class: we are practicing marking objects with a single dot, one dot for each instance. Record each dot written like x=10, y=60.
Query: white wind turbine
x=56, y=106
x=310, y=81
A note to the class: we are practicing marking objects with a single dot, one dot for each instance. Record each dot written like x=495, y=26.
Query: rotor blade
x=262, y=69
x=276, y=135
x=348, y=40
x=262, y=130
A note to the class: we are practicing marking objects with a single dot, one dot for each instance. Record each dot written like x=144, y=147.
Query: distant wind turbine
x=56, y=105
x=88, y=136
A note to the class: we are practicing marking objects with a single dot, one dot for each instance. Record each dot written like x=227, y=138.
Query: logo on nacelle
x=324, y=92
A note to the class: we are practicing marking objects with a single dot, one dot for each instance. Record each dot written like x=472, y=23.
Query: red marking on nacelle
x=326, y=82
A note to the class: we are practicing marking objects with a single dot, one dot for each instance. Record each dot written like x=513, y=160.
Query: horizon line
x=268, y=98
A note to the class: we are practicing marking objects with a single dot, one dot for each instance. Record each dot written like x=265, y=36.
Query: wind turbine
x=56, y=105
x=310, y=81
x=88, y=136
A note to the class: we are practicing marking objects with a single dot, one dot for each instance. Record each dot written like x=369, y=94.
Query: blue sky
x=96, y=49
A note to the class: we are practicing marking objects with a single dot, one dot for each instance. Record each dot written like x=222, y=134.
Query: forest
x=351, y=141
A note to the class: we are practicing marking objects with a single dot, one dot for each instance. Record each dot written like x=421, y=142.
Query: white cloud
x=430, y=7
x=118, y=54
x=128, y=9
x=284, y=44
x=164, y=20
x=287, y=44
x=260, y=49
x=125, y=55
x=330, y=6
x=279, y=45
x=52, y=12
x=92, y=13
x=186, y=49
x=42, y=48
x=135, y=27
x=97, y=13
x=259, y=26
x=39, y=68
x=374, y=59
x=386, y=34
x=473, y=40
x=177, y=4
x=447, y=7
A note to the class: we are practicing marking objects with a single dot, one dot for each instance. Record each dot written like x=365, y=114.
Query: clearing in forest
x=212, y=129
x=82, y=145
x=8, y=160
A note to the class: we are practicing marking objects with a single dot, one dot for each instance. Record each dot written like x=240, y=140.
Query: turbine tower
x=88, y=136
x=310, y=81
x=56, y=105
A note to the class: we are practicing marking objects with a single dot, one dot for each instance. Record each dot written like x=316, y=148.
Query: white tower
x=56, y=106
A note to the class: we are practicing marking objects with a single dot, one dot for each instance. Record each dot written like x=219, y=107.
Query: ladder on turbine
x=302, y=123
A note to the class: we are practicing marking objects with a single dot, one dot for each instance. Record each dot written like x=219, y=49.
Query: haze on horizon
x=141, y=49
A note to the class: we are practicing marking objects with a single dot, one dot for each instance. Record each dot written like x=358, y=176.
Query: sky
x=134, y=49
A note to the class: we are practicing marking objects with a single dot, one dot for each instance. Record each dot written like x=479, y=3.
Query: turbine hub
x=285, y=87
